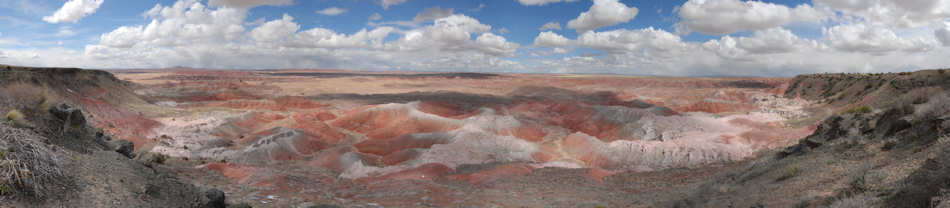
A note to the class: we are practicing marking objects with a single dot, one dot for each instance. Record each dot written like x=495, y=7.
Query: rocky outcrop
x=71, y=161
x=898, y=127
x=124, y=147
x=215, y=199
x=68, y=113
x=875, y=90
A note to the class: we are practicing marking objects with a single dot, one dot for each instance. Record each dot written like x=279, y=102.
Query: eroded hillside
x=283, y=138
x=53, y=155
x=884, y=145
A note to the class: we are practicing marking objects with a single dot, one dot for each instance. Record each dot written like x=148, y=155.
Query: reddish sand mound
x=312, y=123
x=768, y=135
x=119, y=121
x=389, y=146
x=400, y=156
x=339, y=158
x=330, y=159
x=390, y=121
x=546, y=153
x=581, y=147
x=288, y=144
x=599, y=174
x=235, y=172
x=256, y=120
x=292, y=102
x=428, y=171
x=570, y=115
x=528, y=133
x=445, y=109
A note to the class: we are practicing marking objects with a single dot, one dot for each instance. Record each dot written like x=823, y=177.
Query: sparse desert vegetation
x=28, y=167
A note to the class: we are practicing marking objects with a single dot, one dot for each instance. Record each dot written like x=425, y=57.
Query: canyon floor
x=289, y=137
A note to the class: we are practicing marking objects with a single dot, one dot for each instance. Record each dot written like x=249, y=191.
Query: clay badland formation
x=289, y=138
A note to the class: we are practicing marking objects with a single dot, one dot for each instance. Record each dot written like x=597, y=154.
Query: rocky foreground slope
x=886, y=145
x=52, y=156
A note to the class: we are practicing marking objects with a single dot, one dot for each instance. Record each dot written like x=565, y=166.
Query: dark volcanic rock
x=124, y=147
x=890, y=122
x=215, y=199
x=924, y=184
x=68, y=113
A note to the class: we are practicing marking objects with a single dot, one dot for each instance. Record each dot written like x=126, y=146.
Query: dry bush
x=27, y=166
x=34, y=99
x=14, y=115
x=858, y=178
x=790, y=172
x=15, y=118
x=936, y=106
x=859, y=110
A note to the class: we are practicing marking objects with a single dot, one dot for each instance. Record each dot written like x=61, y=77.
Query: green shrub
x=5, y=189
x=159, y=158
x=859, y=110
x=14, y=115
x=790, y=172
x=46, y=103
x=15, y=118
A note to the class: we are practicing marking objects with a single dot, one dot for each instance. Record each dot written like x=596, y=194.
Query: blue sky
x=679, y=38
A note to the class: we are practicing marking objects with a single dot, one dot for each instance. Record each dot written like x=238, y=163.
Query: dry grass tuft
x=790, y=172
x=34, y=99
x=936, y=106
x=859, y=110
x=14, y=115
x=27, y=166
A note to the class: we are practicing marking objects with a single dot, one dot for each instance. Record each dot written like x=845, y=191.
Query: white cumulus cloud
x=773, y=40
x=73, y=10
x=495, y=44
x=331, y=11
x=720, y=17
x=943, y=35
x=898, y=13
x=387, y=3
x=541, y=2
x=603, y=13
x=871, y=39
x=189, y=33
x=550, y=26
x=550, y=39
x=275, y=30
x=249, y=3
x=375, y=16
x=432, y=13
